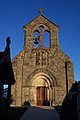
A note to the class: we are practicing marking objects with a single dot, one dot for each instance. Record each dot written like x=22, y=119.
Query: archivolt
x=51, y=80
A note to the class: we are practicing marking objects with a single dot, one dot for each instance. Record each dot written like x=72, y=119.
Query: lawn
x=13, y=113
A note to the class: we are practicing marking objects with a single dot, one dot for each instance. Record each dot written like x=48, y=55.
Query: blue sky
x=14, y=14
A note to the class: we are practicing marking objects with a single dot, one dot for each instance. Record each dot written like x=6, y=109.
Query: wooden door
x=41, y=95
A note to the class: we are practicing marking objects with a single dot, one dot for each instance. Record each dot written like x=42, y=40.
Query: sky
x=14, y=14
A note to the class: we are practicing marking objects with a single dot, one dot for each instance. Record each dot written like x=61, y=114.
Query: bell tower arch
x=40, y=32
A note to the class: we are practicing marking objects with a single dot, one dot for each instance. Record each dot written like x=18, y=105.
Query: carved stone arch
x=42, y=77
x=45, y=27
x=48, y=26
x=37, y=27
x=47, y=74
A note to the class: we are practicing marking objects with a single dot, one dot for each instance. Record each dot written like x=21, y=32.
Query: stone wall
x=33, y=65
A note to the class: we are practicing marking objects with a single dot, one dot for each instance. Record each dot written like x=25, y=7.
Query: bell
x=36, y=40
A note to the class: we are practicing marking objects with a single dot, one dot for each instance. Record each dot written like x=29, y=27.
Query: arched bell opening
x=46, y=42
x=36, y=39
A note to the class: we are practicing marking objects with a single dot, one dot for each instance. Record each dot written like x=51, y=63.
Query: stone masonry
x=40, y=71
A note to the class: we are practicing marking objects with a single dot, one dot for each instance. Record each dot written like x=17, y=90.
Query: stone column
x=41, y=38
x=53, y=97
x=50, y=96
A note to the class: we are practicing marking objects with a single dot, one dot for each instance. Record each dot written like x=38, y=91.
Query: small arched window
x=41, y=27
x=46, y=41
x=36, y=39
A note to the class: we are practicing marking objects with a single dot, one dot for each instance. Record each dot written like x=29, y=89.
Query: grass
x=13, y=113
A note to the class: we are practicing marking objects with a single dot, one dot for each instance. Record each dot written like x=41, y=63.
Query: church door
x=41, y=95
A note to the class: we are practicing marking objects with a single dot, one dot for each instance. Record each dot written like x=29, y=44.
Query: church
x=44, y=74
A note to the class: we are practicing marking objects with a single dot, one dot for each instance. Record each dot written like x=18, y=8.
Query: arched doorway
x=42, y=89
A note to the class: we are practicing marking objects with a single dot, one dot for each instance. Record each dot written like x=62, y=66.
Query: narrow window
x=46, y=42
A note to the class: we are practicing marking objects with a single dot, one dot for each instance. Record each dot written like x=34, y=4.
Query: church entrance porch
x=41, y=89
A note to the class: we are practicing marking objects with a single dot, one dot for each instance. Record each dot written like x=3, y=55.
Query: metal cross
x=41, y=11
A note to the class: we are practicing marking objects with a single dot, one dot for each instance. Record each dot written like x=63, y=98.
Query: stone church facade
x=39, y=69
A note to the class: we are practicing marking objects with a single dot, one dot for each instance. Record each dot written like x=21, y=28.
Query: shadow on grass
x=13, y=113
